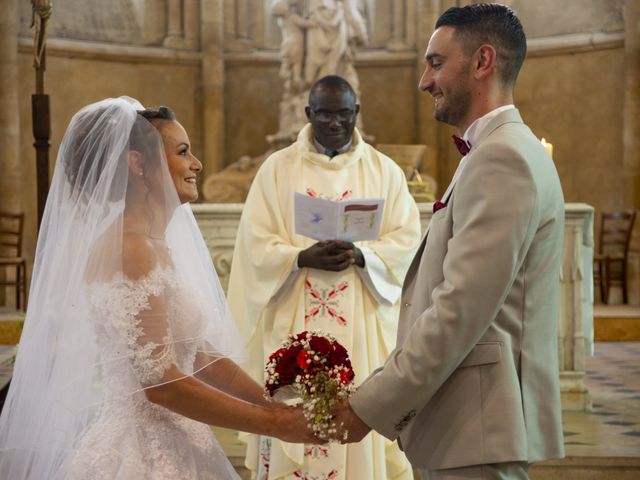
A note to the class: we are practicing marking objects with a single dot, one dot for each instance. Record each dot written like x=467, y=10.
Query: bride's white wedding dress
x=93, y=339
x=130, y=437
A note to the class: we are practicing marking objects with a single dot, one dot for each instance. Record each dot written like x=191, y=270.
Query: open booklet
x=350, y=220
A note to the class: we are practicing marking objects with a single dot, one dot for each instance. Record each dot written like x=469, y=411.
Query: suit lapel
x=416, y=261
x=508, y=116
x=418, y=255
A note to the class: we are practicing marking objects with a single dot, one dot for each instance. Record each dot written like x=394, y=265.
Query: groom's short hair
x=493, y=24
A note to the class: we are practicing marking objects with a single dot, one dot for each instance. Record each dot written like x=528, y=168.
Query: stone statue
x=231, y=185
x=293, y=26
x=338, y=26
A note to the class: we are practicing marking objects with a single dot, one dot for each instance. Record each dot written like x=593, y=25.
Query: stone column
x=191, y=23
x=182, y=24
x=153, y=18
x=212, y=29
x=631, y=126
x=397, y=41
x=242, y=20
x=175, y=33
x=10, y=159
x=427, y=13
x=631, y=137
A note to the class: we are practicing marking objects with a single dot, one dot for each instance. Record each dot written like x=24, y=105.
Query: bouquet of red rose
x=317, y=369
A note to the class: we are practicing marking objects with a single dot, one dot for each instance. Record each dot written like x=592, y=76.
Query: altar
x=219, y=223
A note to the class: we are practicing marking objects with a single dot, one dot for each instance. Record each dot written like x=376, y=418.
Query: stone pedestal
x=575, y=324
x=219, y=226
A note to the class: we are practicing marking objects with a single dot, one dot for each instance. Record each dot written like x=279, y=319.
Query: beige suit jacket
x=474, y=376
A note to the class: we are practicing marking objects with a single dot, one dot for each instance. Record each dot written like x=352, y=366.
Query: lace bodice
x=153, y=321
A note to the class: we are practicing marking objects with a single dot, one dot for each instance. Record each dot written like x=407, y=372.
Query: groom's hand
x=349, y=423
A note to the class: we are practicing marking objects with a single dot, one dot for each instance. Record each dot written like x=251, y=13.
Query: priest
x=282, y=282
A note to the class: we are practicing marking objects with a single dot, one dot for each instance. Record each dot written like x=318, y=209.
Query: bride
x=128, y=350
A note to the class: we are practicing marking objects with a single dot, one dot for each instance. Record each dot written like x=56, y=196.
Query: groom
x=471, y=390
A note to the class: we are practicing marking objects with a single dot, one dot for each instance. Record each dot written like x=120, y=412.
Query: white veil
x=59, y=383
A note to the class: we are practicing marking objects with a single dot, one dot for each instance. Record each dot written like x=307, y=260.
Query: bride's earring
x=135, y=163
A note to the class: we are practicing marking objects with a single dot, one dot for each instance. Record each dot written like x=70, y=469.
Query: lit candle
x=547, y=146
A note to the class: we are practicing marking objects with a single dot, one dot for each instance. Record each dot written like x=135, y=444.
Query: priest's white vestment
x=271, y=298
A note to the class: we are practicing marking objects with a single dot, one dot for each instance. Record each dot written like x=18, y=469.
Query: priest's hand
x=350, y=427
x=331, y=255
x=358, y=256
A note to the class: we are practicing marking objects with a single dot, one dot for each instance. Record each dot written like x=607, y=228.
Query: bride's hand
x=291, y=426
x=274, y=404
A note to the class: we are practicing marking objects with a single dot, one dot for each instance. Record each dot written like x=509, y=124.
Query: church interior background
x=217, y=63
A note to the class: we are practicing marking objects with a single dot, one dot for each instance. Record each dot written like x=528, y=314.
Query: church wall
x=388, y=101
x=570, y=91
x=574, y=91
x=568, y=98
x=252, y=93
x=576, y=104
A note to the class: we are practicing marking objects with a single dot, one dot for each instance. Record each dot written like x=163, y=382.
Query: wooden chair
x=11, y=228
x=610, y=262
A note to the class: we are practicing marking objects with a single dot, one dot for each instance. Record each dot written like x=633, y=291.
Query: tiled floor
x=613, y=428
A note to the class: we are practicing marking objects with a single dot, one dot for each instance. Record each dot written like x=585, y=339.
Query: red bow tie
x=462, y=146
x=438, y=206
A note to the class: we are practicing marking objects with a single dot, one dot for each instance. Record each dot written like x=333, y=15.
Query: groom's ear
x=134, y=160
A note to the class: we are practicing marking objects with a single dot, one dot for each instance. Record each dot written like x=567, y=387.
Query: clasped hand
x=331, y=255
x=294, y=426
x=350, y=427
x=291, y=425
